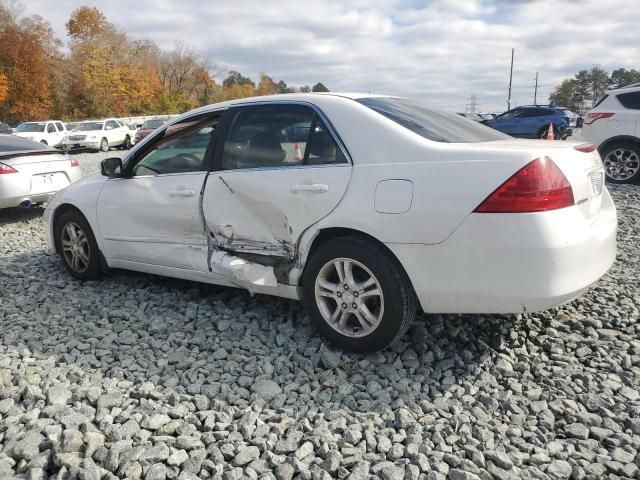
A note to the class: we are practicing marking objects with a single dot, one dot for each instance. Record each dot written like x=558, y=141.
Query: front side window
x=51, y=128
x=60, y=126
x=430, y=123
x=271, y=136
x=181, y=149
x=111, y=124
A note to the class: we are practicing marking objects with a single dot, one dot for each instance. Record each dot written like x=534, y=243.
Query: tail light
x=539, y=186
x=593, y=116
x=74, y=162
x=585, y=147
x=6, y=169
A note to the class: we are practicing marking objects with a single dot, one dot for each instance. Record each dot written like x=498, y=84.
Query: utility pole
x=535, y=92
x=510, y=81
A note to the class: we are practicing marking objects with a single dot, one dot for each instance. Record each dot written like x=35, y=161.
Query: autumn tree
x=4, y=87
x=266, y=86
x=25, y=65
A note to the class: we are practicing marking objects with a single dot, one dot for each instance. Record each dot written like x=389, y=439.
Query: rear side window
x=430, y=123
x=630, y=100
x=268, y=136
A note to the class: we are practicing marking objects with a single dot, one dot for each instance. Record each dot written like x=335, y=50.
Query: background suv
x=533, y=122
x=613, y=125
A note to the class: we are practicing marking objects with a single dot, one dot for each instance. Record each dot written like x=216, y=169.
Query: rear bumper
x=15, y=188
x=504, y=263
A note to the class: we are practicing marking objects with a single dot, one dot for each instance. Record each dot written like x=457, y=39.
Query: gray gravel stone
x=246, y=455
x=266, y=389
x=559, y=469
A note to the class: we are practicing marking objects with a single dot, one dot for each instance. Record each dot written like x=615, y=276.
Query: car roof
x=626, y=89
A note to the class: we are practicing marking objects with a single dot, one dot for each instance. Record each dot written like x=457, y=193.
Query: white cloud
x=442, y=51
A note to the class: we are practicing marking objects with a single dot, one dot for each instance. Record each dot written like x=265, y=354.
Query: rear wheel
x=104, y=145
x=44, y=142
x=622, y=162
x=127, y=143
x=77, y=246
x=357, y=294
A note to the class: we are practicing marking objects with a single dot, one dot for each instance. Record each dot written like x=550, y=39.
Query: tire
x=394, y=310
x=104, y=145
x=88, y=267
x=44, y=142
x=127, y=143
x=622, y=162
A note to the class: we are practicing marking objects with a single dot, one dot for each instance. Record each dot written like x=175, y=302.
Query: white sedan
x=365, y=207
x=31, y=172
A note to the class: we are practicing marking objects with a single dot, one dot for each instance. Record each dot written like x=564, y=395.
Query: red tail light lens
x=537, y=187
x=7, y=169
x=585, y=147
x=592, y=117
x=74, y=162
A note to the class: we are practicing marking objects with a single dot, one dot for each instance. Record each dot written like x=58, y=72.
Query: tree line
x=104, y=72
x=581, y=92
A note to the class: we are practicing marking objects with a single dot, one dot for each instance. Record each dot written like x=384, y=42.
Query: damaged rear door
x=281, y=169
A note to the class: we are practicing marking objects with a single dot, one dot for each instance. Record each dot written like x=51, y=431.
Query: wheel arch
x=59, y=211
x=326, y=234
x=617, y=139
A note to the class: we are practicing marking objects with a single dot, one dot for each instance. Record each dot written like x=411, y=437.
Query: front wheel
x=77, y=246
x=357, y=294
x=104, y=145
x=622, y=163
x=127, y=143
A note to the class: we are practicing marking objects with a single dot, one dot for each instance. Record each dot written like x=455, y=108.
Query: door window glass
x=183, y=151
x=111, y=124
x=60, y=126
x=51, y=128
x=269, y=136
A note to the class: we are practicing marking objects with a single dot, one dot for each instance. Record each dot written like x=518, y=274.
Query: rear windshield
x=13, y=143
x=31, y=127
x=430, y=123
x=152, y=124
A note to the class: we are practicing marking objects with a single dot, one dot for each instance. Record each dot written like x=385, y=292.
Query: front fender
x=82, y=195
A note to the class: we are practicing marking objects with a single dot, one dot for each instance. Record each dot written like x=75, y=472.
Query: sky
x=439, y=51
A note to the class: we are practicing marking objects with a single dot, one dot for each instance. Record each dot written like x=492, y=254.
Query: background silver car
x=31, y=172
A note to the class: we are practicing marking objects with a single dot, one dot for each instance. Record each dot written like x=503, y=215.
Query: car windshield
x=431, y=123
x=31, y=127
x=152, y=124
x=87, y=126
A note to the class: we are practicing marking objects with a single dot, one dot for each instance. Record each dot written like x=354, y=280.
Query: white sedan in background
x=30, y=172
x=365, y=207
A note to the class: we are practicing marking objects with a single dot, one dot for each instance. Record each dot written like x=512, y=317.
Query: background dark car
x=533, y=122
x=147, y=127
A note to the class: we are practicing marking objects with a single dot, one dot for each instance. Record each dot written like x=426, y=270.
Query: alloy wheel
x=621, y=164
x=75, y=247
x=349, y=297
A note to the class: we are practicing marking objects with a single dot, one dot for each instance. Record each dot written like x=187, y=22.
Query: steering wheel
x=188, y=156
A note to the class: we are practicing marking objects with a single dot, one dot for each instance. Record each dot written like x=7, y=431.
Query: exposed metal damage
x=251, y=262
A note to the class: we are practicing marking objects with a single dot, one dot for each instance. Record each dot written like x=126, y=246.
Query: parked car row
x=97, y=135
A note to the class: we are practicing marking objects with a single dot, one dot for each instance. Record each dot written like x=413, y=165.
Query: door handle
x=182, y=193
x=311, y=187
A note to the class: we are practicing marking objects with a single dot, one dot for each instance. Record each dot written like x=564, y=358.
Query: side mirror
x=111, y=167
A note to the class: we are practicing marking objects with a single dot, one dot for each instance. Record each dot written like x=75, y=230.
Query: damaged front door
x=281, y=170
x=151, y=215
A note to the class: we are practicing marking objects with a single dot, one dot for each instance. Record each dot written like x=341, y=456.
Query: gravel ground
x=136, y=376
